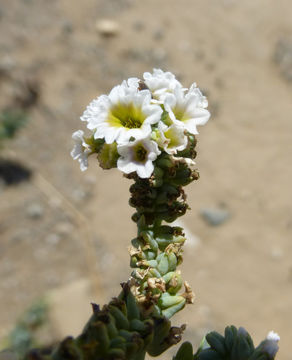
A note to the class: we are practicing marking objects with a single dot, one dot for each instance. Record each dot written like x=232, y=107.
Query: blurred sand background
x=66, y=229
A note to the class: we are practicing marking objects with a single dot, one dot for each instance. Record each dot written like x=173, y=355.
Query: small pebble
x=55, y=202
x=41, y=254
x=22, y=235
x=184, y=46
x=138, y=26
x=276, y=253
x=79, y=194
x=67, y=27
x=199, y=55
x=51, y=279
x=107, y=27
x=158, y=55
x=158, y=34
x=35, y=211
x=215, y=216
x=219, y=83
x=53, y=239
x=90, y=179
x=7, y=64
x=64, y=228
x=283, y=57
x=245, y=194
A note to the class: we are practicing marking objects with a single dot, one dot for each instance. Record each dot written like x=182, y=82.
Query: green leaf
x=185, y=352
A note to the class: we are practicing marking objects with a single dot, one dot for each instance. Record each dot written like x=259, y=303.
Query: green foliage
x=10, y=122
x=22, y=337
x=236, y=344
x=185, y=352
x=118, y=331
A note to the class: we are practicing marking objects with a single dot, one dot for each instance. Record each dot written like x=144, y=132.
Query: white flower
x=81, y=150
x=171, y=139
x=125, y=113
x=270, y=345
x=160, y=83
x=273, y=336
x=188, y=110
x=138, y=156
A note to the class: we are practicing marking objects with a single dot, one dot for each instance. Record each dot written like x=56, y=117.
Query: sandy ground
x=64, y=225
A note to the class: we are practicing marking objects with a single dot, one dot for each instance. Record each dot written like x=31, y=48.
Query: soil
x=59, y=225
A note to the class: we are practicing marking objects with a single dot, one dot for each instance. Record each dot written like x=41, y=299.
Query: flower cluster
x=139, y=120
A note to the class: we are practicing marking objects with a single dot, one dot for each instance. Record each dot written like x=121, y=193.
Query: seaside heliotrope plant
x=146, y=128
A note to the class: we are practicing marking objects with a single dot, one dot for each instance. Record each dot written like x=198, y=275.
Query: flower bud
x=108, y=156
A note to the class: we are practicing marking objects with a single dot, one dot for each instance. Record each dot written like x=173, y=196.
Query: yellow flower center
x=127, y=116
x=171, y=135
x=140, y=153
x=180, y=114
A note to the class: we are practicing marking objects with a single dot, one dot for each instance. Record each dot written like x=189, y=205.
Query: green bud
x=96, y=334
x=116, y=354
x=217, y=342
x=163, y=266
x=257, y=355
x=166, y=300
x=121, y=320
x=157, y=182
x=172, y=261
x=154, y=273
x=165, y=118
x=137, y=325
x=158, y=173
x=162, y=208
x=108, y=156
x=164, y=162
x=208, y=354
x=118, y=342
x=111, y=327
x=174, y=284
x=151, y=263
x=172, y=310
x=162, y=328
x=167, y=277
x=170, y=189
x=95, y=144
x=149, y=239
x=230, y=336
x=241, y=349
x=132, y=350
x=150, y=255
x=128, y=335
x=162, y=198
x=185, y=352
x=132, y=307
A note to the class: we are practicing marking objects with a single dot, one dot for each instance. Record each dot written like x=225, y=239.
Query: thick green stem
x=157, y=250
